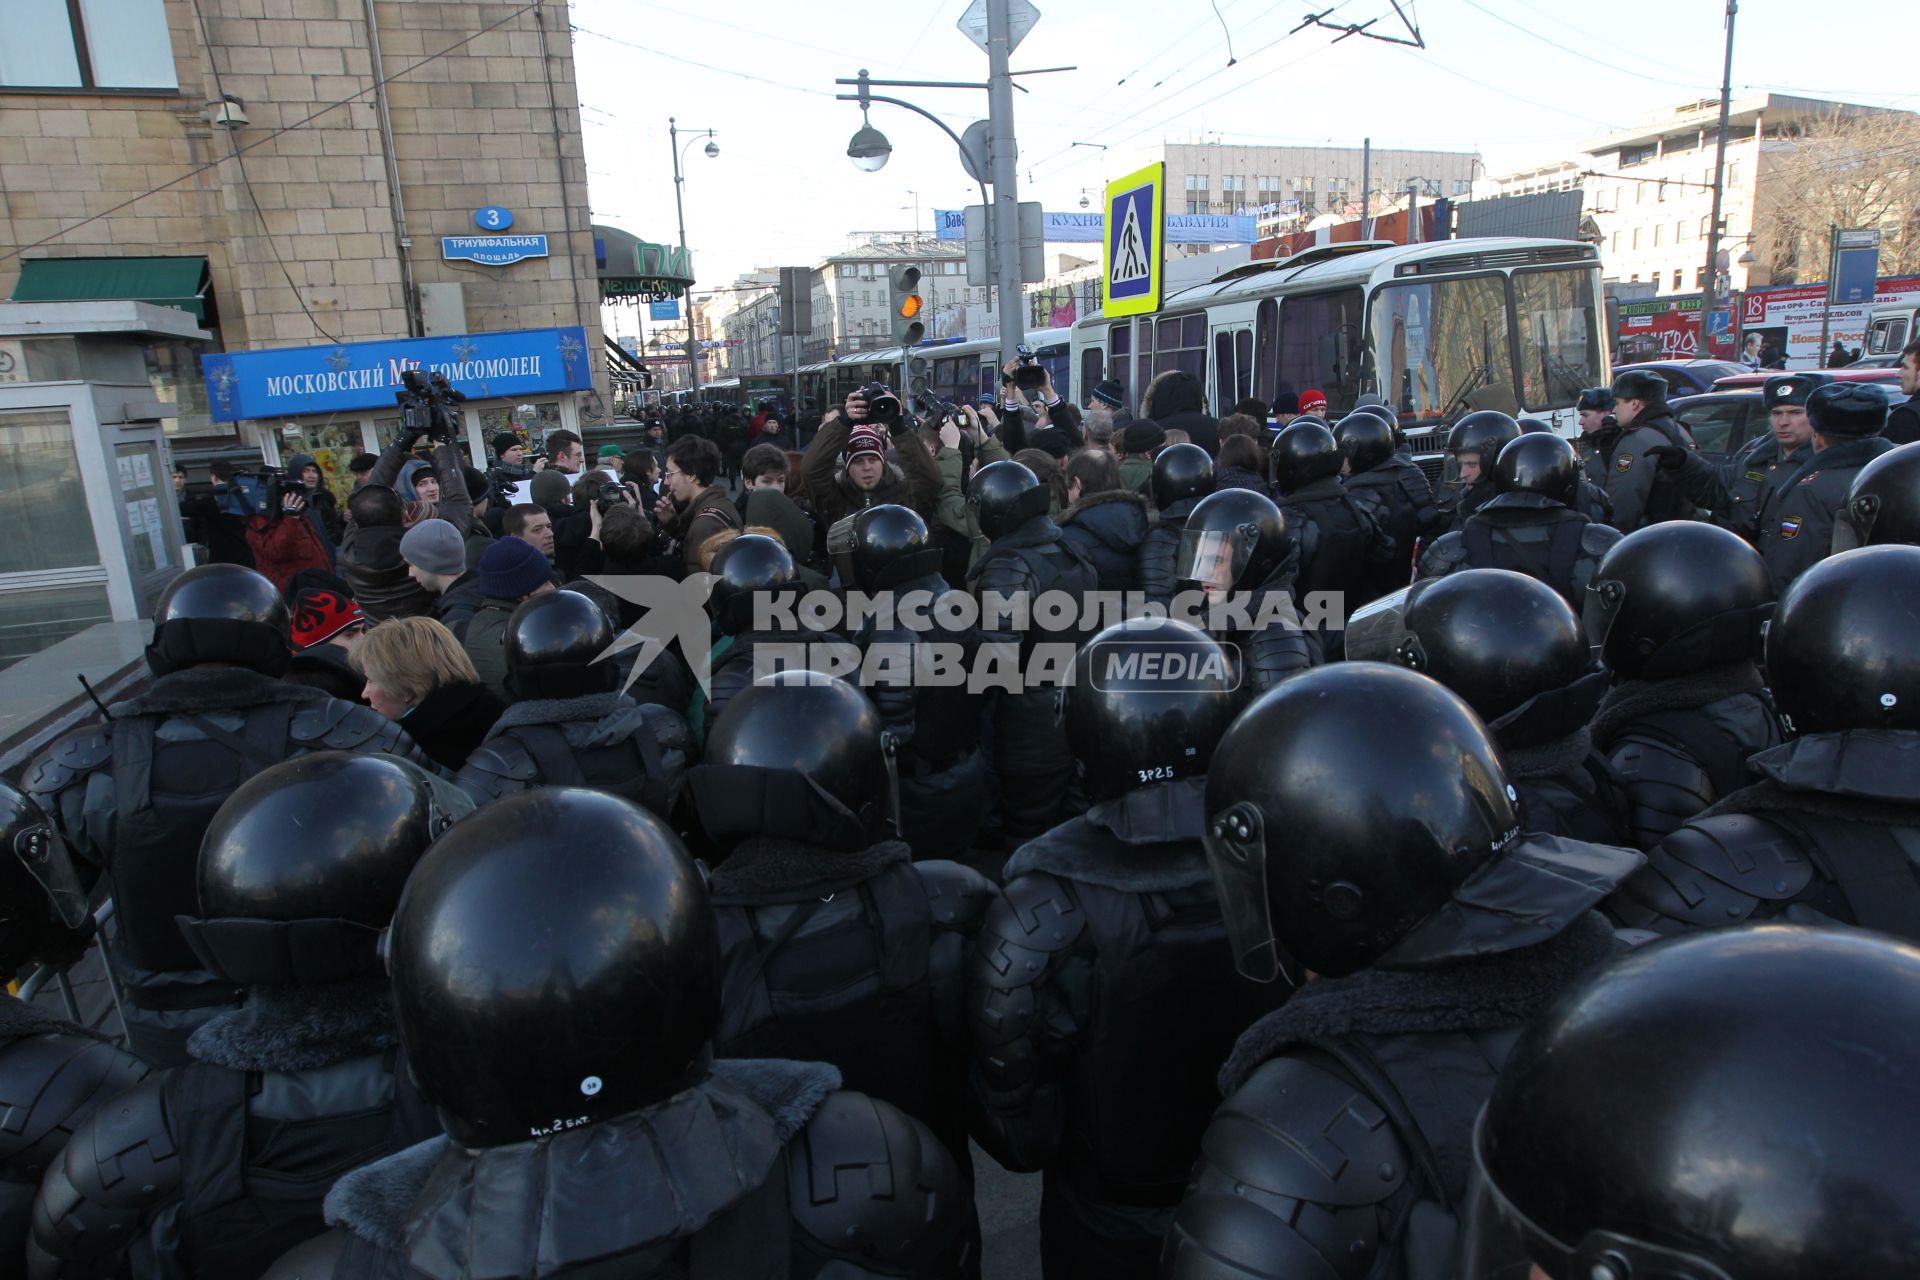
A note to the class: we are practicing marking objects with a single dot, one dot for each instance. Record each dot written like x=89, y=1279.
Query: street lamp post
x=686, y=294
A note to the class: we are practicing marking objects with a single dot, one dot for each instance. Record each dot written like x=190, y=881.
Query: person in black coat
x=1178, y=402
x=417, y=674
x=1102, y=519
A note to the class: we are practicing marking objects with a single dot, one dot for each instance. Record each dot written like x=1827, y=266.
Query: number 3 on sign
x=493, y=218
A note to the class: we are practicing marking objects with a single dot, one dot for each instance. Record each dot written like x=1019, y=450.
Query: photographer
x=1037, y=416
x=966, y=445
x=860, y=430
x=284, y=540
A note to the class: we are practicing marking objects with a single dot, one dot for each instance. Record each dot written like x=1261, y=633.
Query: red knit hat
x=320, y=614
x=864, y=440
x=1313, y=402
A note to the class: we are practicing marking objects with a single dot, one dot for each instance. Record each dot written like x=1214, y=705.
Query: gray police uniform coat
x=1616, y=460
x=1797, y=527
x=1750, y=479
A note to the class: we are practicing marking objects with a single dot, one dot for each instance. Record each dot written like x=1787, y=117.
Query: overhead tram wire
x=270, y=135
x=1692, y=85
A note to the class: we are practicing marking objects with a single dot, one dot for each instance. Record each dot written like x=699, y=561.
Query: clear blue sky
x=1521, y=81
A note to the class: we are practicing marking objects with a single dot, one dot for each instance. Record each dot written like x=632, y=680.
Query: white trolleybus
x=1435, y=330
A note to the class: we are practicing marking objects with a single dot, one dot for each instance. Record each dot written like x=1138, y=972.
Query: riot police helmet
x=1539, y=464
x=1885, y=499
x=1234, y=539
x=1181, y=472
x=1360, y=814
x=749, y=573
x=1302, y=453
x=1675, y=598
x=799, y=755
x=221, y=613
x=1730, y=1105
x=551, y=644
x=1004, y=496
x=1497, y=638
x=1530, y=426
x=885, y=536
x=1366, y=440
x=555, y=963
x=1482, y=433
x=1840, y=647
x=1150, y=698
x=301, y=868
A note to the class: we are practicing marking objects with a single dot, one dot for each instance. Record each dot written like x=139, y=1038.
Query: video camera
x=1028, y=376
x=883, y=407
x=427, y=407
x=256, y=493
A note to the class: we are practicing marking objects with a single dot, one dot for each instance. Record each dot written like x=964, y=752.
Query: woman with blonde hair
x=418, y=675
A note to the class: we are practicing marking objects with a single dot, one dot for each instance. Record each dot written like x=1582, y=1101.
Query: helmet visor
x=1236, y=845
x=44, y=854
x=1375, y=630
x=1214, y=559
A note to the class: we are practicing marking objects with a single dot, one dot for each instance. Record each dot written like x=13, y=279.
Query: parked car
x=1725, y=419
x=1685, y=377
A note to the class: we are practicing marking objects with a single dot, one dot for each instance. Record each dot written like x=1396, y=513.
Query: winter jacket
x=1797, y=527
x=1110, y=527
x=485, y=642
x=455, y=606
x=371, y=564
x=912, y=480
x=710, y=512
x=452, y=720
x=325, y=667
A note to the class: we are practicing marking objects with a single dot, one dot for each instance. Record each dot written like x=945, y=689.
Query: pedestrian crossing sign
x=1136, y=242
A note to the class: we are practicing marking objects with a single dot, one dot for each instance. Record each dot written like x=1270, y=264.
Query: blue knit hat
x=511, y=568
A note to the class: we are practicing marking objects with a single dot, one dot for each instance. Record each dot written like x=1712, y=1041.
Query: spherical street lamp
x=1084, y=202
x=713, y=149
x=869, y=149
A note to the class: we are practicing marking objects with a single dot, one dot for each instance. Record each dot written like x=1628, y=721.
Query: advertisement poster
x=1791, y=314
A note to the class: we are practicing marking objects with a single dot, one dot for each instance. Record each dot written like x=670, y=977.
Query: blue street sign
x=1854, y=274
x=492, y=251
x=365, y=375
x=668, y=310
x=1135, y=242
x=493, y=218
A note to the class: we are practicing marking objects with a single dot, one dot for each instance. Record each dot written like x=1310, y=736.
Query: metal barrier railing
x=37, y=981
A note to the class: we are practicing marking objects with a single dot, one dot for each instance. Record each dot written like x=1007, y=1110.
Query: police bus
x=959, y=370
x=1435, y=330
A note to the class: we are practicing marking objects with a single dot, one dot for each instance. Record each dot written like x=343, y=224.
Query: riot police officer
x=1530, y=525
x=1616, y=451
x=1799, y=524
x=1749, y=480
x=1821, y=833
x=1102, y=991
x=1335, y=532
x=1400, y=499
x=1512, y=648
x=1027, y=557
x=944, y=784
x=1883, y=507
x=134, y=794
x=835, y=946
x=53, y=1074
x=1640, y=1128
x=1360, y=822
x=1472, y=445
x=219, y=1166
x=756, y=589
x=1182, y=475
x=1676, y=610
x=568, y=724
x=557, y=1006
x=1238, y=551
x=1592, y=502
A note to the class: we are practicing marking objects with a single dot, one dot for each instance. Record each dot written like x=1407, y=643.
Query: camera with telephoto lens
x=427, y=407
x=937, y=411
x=1028, y=375
x=613, y=495
x=883, y=407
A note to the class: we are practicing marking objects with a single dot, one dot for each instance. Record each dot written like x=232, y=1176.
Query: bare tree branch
x=1847, y=169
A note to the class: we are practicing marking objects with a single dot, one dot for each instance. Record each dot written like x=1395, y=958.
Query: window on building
x=1635, y=278
x=1197, y=193
x=1733, y=174
x=1699, y=277
x=1270, y=190
x=85, y=44
x=1303, y=186
x=1703, y=226
x=1659, y=232
x=1233, y=191
x=1680, y=231
x=1615, y=247
x=1676, y=277
x=1639, y=193
x=1636, y=241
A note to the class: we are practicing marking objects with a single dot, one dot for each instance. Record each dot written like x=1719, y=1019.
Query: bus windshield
x=1441, y=347
x=1559, y=350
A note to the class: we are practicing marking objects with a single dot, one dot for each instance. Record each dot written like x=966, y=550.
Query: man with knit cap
x=436, y=557
x=846, y=468
x=1137, y=444
x=510, y=572
x=326, y=626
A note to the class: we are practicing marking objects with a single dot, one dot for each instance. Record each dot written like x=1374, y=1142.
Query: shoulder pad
x=118, y=1167
x=500, y=766
x=70, y=755
x=1034, y=916
x=1448, y=552
x=332, y=724
x=1714, y=872
x=669, y=726
x=870, y=1185
x=1597, y=539
x=1291, y=1170
x=49, y=1085
x=1663, y=787
x=957, y=895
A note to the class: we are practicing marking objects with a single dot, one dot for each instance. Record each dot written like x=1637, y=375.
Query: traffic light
x=904, y=305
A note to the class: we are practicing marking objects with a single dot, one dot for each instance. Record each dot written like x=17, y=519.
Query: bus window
x=1093, y=371
x=1057, y=360
x=1559, y=352
x=1442, y=348
x=1266, y=328
x=1242, y=365
x=1886, y=335
x=1320, y=347
x=1120, y=367
x=1181, y=343
x=1222, y=372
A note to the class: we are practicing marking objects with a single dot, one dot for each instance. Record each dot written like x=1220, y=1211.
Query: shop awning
x=164, y=282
